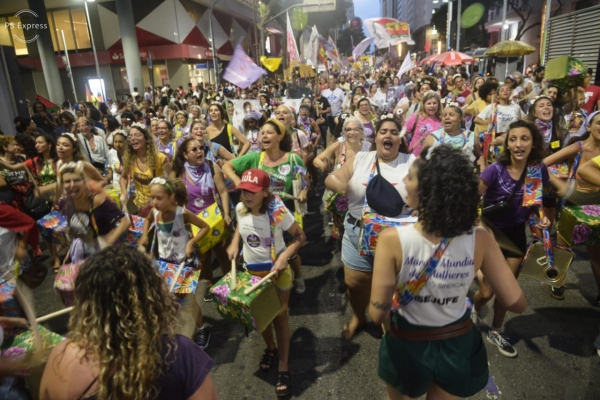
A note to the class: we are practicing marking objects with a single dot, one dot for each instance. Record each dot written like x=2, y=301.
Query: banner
x=333, y=53
x=292, y=49
x=388, y=31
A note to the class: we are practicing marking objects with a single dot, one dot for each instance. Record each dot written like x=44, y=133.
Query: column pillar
x=131, y=50
x=47, y=56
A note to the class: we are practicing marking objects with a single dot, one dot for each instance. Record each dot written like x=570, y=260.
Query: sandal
x=284, y=380
x=267, y=359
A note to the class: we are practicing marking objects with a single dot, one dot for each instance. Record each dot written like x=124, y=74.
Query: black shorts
x=516, y=234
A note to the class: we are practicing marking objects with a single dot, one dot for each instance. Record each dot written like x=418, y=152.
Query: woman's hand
x=189, y=249
x=123, y=198
x=142, y=243
x=544, y=223
x=12, y=322
x=228, y=220
x=232, y=251
x=302, y=197
x=280, y=265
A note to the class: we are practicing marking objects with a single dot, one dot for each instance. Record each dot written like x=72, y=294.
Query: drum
x=535, y=264
x=580, y=225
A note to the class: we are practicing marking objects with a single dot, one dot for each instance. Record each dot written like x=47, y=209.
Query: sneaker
x=500, y=341
x=557, y=293
x=300, y=286
x=207, y=296
x=202, y=337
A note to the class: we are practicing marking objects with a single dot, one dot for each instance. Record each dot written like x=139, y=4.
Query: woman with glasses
x=166, y=144
x=212, y=151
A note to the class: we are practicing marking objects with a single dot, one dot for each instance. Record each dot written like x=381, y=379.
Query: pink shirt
x=419, y=133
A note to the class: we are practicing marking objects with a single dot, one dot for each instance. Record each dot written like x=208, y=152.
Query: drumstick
x=289, y=196
x=177, y=274
x=233, y=281
x=263, y=280
x=54, y=315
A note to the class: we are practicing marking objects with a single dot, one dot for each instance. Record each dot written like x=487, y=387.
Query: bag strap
x=517, y=186
x=374, y=167
x=407, y=292
x=230, y=136
x=548, y=250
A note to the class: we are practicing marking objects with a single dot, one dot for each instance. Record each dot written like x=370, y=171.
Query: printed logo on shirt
x=199, y=202
x=284, y=169
x=253, y=240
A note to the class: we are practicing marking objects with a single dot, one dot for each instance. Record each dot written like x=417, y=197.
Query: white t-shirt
x=256, y=235
x=394, y=172
x=506, y=115
x=302, y=139
x=115, y=165
x=336, y=99
x=100, y=152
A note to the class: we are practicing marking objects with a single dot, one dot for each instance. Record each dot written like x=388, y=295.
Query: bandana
x=199, y=174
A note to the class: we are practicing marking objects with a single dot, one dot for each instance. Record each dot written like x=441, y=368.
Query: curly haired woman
x=121, y=342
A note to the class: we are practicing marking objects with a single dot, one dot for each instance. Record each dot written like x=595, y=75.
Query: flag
x=432, y=69
x=379, y=60
x=352, y=42
x=393, y=53
x=50, y=106
x=322, y=55
x=271, y=63
x=361, y=48
x=333, y=53
x=406, y=65
x=388, y=31
x=313, y=46
x=242, y=71
x=292, y=49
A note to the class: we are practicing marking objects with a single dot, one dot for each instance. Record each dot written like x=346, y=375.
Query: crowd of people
x=458, y=163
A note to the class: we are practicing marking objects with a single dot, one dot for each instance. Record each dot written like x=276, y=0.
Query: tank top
x=443, y=300
x=223, y=139
x=169, y=150
x=171, y=246
x=199, y=196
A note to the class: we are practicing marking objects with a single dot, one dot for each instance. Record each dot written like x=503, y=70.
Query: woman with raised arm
x=426, y=120
x=423, y=272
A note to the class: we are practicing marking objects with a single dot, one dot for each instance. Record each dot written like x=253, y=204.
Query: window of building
x=17, y=32
x=82, y=34
x=62, y=21
x=4, y=33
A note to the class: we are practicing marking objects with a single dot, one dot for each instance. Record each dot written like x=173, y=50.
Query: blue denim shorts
x=350, y=256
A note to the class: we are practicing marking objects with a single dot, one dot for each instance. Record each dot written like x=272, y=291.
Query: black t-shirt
x=323, y=104
x=41, y=123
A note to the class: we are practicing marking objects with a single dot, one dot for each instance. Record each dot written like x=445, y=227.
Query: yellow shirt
x=596, y=160
x=474, y=109
x=141, y=180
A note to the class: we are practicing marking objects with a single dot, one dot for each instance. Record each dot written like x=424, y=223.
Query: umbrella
x=428, y=59
x=510, y=48
x=453, y=57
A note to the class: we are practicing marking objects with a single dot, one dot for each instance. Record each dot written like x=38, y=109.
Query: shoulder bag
x=496, y=211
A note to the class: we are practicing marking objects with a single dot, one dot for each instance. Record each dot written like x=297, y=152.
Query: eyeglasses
x=195, y=149
x=352, y=129
x=138, y=136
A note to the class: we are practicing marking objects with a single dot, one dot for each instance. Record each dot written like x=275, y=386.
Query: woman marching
x=141, y=163
x=222, y=132
x=212, y=151
x=173, y=244
x=205, y=184
x=423, y=272
x=115, y=164
x=282, y=165
x=262, y=220
x=391, y=162
x=519, y=165
x=582, y=150
x=452, y=134
x=127, y=348
x=425, y=121
x=365, y=115
x=165, y=142
x=181, y=129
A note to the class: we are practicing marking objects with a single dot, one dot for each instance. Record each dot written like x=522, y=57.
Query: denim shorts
x=350, y=256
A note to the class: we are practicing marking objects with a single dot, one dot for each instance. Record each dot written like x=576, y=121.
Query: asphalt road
x=557, y=359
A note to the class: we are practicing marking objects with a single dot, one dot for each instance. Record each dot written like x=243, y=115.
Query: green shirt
x=281, y=175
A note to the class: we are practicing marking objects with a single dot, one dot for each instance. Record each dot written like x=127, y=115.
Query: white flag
x=406, y=65
x=313, y=46
x=292, y=49
x=360, y=49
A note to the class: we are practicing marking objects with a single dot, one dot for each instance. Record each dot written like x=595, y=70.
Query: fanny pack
x=381, y=196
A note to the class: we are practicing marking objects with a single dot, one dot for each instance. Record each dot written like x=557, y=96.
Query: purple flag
x=242, y=71
x=361, y=48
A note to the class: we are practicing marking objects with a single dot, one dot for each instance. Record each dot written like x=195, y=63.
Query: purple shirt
x=500, y=186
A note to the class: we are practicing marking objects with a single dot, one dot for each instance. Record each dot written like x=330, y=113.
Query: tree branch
x=558, y=9
x=520, y=35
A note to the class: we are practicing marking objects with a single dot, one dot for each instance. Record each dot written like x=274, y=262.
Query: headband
x=162, y=182
x=69, y=134
x=279, y=125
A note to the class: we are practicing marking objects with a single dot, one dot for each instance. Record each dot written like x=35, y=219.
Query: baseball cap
x=254, y=180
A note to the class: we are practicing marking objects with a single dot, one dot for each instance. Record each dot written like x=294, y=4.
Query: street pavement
x=557, y=359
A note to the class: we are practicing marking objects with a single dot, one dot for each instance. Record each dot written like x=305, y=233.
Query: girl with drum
x=262, y=220
x=503, y=182
x=431, y=347
x=205, y=184
x=278, y=160
x=173, y=244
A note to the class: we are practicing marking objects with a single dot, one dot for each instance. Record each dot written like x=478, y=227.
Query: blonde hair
x=426, y=97
x=130, y=156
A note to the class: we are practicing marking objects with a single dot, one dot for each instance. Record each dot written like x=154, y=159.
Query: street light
x=87, y=18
